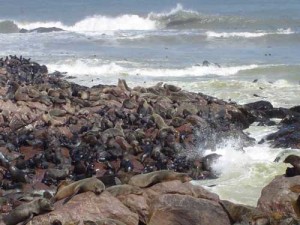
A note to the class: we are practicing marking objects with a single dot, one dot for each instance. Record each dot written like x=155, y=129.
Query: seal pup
x=294, y=160
x=69, y=190
x=27, y=211
x=149, y=179
x=124, y=189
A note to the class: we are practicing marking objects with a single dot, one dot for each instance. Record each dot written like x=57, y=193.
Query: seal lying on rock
x=104, y=222
x=294, y=160
x=68, y=191
x=25, y=212
x=124, y=189
x=149, y=179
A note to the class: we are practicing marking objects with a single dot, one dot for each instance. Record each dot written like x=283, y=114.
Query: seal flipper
x=118, y=181
x=69, y=198
x=28, y=219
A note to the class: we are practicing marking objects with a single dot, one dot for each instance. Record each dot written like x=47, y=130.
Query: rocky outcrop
x=170, y=209
x=171, y=202
x=279, y=198
x=108, y=131
x=52, y=129
x=88, y=206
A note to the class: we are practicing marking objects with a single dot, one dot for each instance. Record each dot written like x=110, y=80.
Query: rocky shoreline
x=53, y=130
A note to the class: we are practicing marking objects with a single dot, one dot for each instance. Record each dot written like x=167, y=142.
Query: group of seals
x=25, y=212
x=66, y=190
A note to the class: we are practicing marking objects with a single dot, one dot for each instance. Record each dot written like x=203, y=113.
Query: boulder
x=175, y=209
x=280, y=196
x=88, y=206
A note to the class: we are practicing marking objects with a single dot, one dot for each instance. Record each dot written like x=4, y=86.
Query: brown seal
x=294, y=160
x=149, y=179
x=69, y=190
x=124, y=189
x=104, y=222
x=25, y=212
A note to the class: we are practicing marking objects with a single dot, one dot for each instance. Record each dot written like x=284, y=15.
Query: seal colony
x=53, y=130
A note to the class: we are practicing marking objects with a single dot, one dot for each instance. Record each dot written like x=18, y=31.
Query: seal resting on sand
x=68, y=190
x=25, y=212
x=149, y=179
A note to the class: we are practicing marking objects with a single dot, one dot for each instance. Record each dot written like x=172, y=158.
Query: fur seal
x=172, y=88
x=104, y=222
x=25, y=212
x=149, y=179
x=164, y=129
x=294, y=160
x=17, y=175
x=68, y=191
x=124, y=189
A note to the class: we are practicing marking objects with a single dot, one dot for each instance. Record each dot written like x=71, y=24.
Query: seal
x=18, y=175
x=104, y=222
x=294, y=160
x=25, y=212
x=172, y=88
x=149, y=179
x=124, y=189
x=69, y=190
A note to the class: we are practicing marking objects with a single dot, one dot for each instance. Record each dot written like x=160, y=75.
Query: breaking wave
x=79, y=67
x=211, y=34
x=176, y=18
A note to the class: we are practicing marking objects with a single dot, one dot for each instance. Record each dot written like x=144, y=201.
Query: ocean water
x=146, y=42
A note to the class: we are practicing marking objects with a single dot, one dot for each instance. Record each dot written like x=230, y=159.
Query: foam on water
x=78, y=67
x=244, y=173
x=212, y=34
x=97, y=23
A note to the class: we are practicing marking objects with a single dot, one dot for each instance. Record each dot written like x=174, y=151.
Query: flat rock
x=88, y=206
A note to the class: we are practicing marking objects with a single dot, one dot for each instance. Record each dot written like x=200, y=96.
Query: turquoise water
x=150, y=41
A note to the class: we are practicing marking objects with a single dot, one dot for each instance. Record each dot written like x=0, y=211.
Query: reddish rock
x=88, y=206
x=175, y=209
x=29, y=151
x=280, y=195
x=123, y=143
x=185, y=128
x=178, y=187
x=137, y=204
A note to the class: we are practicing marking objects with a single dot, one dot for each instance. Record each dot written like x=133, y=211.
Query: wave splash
x=79, y=67
x=177, y=18
x=211, y=34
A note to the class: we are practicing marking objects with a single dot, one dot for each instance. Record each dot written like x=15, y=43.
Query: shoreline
x=52, y=129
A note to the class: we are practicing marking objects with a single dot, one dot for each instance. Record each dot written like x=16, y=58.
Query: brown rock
x=244, y=214
x=16, y=122
x=175, y=209
x=88, y=206
x=136, y=204
x=177, y=187
x=278, y=196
